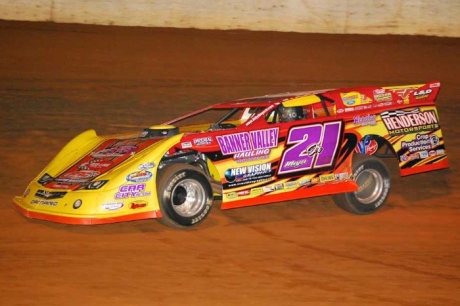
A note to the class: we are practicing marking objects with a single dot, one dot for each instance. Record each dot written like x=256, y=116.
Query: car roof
x=291, y=98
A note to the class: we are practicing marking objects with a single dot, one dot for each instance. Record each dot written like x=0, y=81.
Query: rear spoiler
x=416, y=93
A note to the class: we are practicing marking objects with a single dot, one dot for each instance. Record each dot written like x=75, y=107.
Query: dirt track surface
x=59, y=80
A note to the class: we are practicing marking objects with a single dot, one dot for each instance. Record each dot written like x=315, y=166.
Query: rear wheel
x=373, y=179
x=184, y=194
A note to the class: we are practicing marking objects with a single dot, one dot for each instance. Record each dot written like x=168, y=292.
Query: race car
x=246, y=152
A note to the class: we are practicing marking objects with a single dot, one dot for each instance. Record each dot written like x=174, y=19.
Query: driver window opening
x=296, y=113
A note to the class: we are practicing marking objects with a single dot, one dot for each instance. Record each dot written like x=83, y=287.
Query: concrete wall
x=421, y=17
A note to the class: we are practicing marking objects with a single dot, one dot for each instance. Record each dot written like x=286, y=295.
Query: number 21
x=315, y=146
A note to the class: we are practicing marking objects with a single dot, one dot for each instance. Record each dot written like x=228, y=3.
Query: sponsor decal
x=342, y=176
x=50, y=194
x=365, y=120
x=434, y=85
x=422, y=94
x=440, y=152
x=112, y=205
x=248, y=174
x=138, y=204
x=231, y=195
x=96, y=164
x=423, y=154
x=327, y=178
x=403, y=93
x=268, y=188
x=350, y=98
x=289, y=185
x=93, y=185
x=365, y=99
x=304, y=182
x=354, y=98
x=131, y=191
x=262, y=113
x=434, y=139
x=104, y=157
x=60, y=186
x=44, y=202
x=253, y=144
x=186, y=145
x=367, y=146
x=251, y=155
x=382, y=96
x=77, y=177
x=115, y=151
x=139, y=176
x=257, y=191
x=407, y=122
x=244, y=192
x=420, y=143
x=203, y=141
x=145, y=166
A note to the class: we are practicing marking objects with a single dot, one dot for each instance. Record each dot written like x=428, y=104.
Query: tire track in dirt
x=263, y=231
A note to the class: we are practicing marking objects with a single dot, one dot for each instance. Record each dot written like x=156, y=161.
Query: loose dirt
x=59, y=80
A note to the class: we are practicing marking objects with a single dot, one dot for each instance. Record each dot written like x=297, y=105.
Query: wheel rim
x=188, y=198
x=370, y=186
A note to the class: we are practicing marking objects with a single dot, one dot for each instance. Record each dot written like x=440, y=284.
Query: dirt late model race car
x=246, y=152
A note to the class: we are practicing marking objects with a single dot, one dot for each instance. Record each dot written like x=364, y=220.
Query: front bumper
x=81, y=220
x=97, y=207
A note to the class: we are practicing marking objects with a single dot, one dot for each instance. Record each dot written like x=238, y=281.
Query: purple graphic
x=131, y=191
x=315, y=146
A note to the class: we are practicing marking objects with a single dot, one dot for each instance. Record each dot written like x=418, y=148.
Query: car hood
x=103, y=158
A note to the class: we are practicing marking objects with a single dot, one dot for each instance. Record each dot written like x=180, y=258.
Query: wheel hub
x=370, y=186
x=188, y=198
x=179, y=196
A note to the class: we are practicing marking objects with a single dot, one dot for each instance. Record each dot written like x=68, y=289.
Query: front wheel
x=184, y=194
x=373, y=179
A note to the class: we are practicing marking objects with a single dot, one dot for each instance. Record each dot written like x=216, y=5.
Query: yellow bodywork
x=98, y=205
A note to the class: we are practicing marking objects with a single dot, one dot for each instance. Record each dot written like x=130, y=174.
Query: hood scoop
x=159, y=131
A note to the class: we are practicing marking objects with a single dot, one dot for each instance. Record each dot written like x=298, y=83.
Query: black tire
x=184, y=194
x=373, y=179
